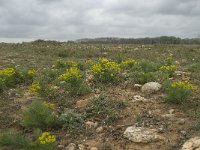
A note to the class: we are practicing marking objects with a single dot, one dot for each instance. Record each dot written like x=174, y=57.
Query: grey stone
x=151, y=87
x=142, y=135
x=192, y=144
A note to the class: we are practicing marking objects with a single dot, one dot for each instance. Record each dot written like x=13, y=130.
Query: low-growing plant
x=105, y=108
x=168, y=69
x=14, y=140
x=39, y=115
x=178, y=92
x=141, y=77
x=106, y=71
x=72, y=80
x=147, y=66
x=65, y=64
x=71, y=120
x=8, y=78
x=129, y=63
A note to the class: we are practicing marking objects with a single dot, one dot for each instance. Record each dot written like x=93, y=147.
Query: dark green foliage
x=38, y=115
x=13, y=139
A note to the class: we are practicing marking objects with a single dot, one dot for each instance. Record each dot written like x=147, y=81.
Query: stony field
x=72, y=96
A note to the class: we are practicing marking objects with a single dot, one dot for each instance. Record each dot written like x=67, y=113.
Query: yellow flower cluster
x=184, y=84
x=32, y=72
x=49, y=105
x=104, y=65
x=71, y=73
x=170, y=68
x=8, y=72
x=129, y=62
x=89, y=62
x=46, y=138
x=35, y=87
x=71, y=63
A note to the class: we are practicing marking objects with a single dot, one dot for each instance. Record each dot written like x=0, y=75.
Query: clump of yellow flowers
x=168, y=69
x=128, y=63
x=105, y=70
x=72, y=74
x=7, y=72
x=46, y=138
x=32, y=72
x=35, y=87
x=184, y=84
x=49, y=105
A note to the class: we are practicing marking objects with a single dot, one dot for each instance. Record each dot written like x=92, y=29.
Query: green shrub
x=178, y=92
x=168, y=69
x=71, y=120
x=141, y=77
x=13, y=139
x=72, y=81
x=39, y=115
x=147, y=66
x=105, y=108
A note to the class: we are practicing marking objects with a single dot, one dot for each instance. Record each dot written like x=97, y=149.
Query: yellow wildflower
x=8, y=72
x=170, y=68
x=49, y=105
x=46, y=138
x=32, y=72
x=184, y=84
x=35, y=87
x=72, y=73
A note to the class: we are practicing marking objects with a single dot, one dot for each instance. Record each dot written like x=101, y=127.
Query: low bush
x=106, y=71
x=39, y=115
x=141, y=77
x=14, y=140
x=105, y=108
x=71, y=120
x=178, y=92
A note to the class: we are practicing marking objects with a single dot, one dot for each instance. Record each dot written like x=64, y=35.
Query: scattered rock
x=93, y=148
x=168, y=116
x=192, y=144
x=142, y=135
x=90, y=124
x=81, y=147
x=139, y=98
x=99, y=129
x=137, y=86
x=151, y=87
x=61, y=147
x=181, y=121
x=171, y=111
x=183, y=132
x=71, y=146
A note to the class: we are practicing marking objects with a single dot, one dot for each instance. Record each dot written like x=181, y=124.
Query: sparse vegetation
x=81, y=91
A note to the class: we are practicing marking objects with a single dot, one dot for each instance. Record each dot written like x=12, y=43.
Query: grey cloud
x=66, y=19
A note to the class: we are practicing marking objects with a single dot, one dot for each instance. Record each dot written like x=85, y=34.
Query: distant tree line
x=147, y=40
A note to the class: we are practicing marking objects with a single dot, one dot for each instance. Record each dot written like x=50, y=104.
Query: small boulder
x=192, y=144
x=137, y=98
x=93, y=148
x=71, y=146
x=151, y=87
x=99, y=130
x=142, y=134
x=90, y=124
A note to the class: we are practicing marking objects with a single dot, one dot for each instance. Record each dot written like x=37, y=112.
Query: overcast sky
x=75, y=19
